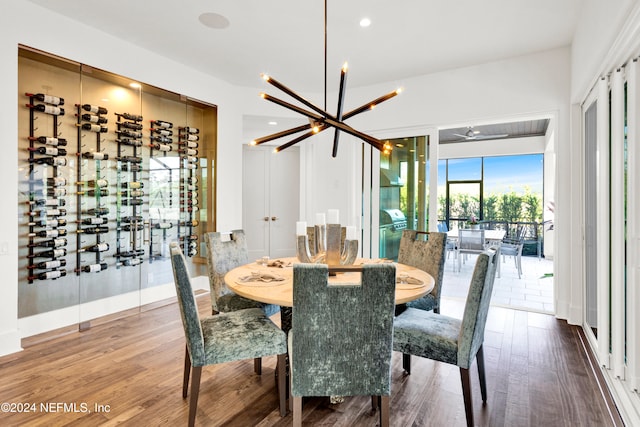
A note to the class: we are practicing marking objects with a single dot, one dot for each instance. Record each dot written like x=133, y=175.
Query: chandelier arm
x=298, y=139
x=277, y=135
x=294, y=95
x=370, y=105
x=348, y=129
x=292, y=107
x=343, y=83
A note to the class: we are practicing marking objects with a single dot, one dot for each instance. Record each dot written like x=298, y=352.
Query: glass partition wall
x=111, y=172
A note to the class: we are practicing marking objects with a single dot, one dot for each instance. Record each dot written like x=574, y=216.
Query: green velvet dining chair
x=340, y=343
x=449, y=340
x=225, y=337
x=224, y=255
x=427, y=252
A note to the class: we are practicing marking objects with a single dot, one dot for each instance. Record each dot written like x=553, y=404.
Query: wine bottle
x=192, y=245
x=190, y=166
x=128, y=116
x=49, y=212
x=130, y=125
x=53, y=243
x=192, y=252
x=190, y=159
x=131, y=167
x=130, y=159
x=189, y=187
x=130, y=142
x=98, y=211
x=48, y=202
x=162, y=225
x=53, y=233
x=132, y=262
x=100, y=247
x=188, y=152
x=58, y=181
x=94, y=109
x=51, y=253
x=132, y=227
x=189, y=209
x=93, y=192
x=192, y=223
x=190, y=237
x=132, y=218
x=190, y=130
x=95, y=155
x=51, y=161
x=59, y=222
x=53, y=192
x=192, y=202
x=190, y=137
x=94, y=230
x=49, y=264
x=132, y=193
x=162, y=139
x=47, y=140
x=48, y=109
x=162, y=124
x=130, y=254
x=161, y=147
x=92, y=118
x=49, y=151
x=129, y=133
x=132, y=202
x=134, y=184
x=189, y=144
x=49, y=275
x=162, y=131
x=47, y=99
x=93, y=127
x=94, y=221
x=99, y=183
x=94, y=268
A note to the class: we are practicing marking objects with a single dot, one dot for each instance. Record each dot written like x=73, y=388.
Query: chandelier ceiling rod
x=320, y=119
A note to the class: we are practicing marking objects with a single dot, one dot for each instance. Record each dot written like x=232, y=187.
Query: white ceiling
x=285, y=38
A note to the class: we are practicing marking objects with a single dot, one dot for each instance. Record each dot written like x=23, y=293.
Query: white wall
x=24, y=23
x=599, y=25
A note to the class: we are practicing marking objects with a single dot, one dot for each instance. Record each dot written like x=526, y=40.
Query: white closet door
x=270, y=200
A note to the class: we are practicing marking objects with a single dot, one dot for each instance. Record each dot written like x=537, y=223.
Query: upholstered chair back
x=476, y=309
x=341, y=338
x=188, y=307
x=222, y=256
x=426, y=251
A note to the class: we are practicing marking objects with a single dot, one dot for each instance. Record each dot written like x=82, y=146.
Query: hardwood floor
x=129, y=371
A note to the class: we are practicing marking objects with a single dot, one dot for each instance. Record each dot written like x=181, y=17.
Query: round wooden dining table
x=253, y=281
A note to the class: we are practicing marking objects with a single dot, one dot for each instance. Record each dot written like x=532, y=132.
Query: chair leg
x=282, y=383
x=187, y=372
x=297, y=411
x=375, y=403
x=257, y=365
x=195, y=390
x=384, y=411
x=481, y=375
x=466, y=392
x=406, y=363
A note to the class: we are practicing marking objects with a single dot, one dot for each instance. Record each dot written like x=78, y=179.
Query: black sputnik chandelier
x=320, y=119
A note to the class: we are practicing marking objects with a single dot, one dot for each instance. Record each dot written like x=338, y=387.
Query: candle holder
x=328, y=247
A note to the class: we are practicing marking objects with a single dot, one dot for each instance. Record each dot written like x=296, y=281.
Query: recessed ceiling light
x=214, y=20
x=272, y=123
x=365, y=22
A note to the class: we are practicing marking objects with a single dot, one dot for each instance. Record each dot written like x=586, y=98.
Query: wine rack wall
x=109, y=176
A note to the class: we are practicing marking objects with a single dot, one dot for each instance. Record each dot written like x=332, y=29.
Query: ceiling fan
x=474, y=135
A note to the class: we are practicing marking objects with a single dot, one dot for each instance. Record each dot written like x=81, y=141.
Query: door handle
x=265, y=219
x=274, y=218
